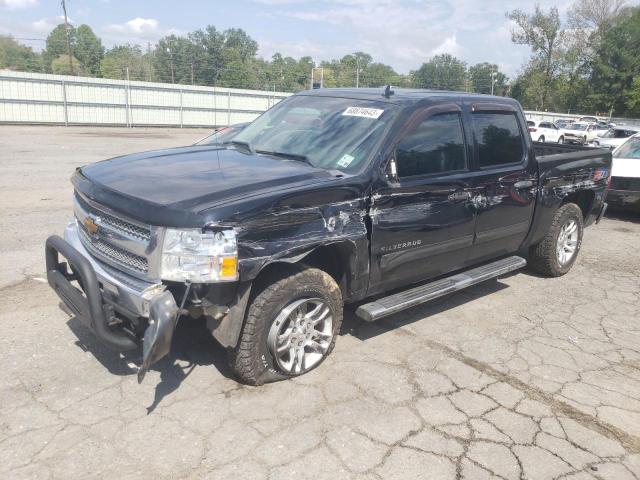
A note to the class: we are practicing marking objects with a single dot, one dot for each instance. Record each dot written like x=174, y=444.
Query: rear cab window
x=498, y=138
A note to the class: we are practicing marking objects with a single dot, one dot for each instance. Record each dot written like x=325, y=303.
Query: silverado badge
x=90, y=225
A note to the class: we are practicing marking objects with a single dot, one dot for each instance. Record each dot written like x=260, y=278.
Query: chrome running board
x=397, y=302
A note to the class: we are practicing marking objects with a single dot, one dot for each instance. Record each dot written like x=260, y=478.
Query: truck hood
x=195, y=178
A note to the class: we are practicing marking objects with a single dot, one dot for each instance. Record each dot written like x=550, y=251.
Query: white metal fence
x=59, y=99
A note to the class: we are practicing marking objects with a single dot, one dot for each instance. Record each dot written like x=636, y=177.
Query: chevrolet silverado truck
x=379, y=198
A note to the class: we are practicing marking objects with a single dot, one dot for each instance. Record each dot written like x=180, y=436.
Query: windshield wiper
x=246, y=145
x=292, y=156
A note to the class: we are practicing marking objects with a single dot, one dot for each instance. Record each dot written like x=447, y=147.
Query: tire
x=584, y=141
x=541, y=139
x=544, y=257
x=253, y=361
x=561, y=140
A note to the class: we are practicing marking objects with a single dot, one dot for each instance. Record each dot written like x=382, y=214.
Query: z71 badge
x=400, y=246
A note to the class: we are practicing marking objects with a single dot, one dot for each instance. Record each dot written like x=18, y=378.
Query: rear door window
x=498, y=138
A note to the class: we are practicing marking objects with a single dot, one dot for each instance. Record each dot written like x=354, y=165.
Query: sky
x=401, y=33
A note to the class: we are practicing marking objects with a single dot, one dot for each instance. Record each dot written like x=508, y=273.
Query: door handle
x=459, y=196
x=523, y=184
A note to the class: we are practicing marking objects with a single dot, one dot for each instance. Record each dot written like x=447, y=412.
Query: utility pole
x=191, y=73
x=171, y=64
x=357, y=71
x=66, y=29
x=493, y=80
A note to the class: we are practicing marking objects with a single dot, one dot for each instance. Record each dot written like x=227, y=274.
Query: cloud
x=139, y=27
x=17, y=4
x=448, y=45
x=45, y=25
x=407, y=33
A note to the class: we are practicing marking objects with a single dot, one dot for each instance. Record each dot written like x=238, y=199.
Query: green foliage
x=543, y=33
x=482, y=74
x=442, y=72
x=88, y=49
x=57, y=45
x=62, y=66
x=14, y=56
x=115, y=63
x=616, y=67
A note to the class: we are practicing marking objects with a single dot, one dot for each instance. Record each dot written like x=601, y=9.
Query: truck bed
x=551, y=154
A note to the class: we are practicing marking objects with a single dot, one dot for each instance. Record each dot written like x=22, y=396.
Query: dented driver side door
x=422, y=217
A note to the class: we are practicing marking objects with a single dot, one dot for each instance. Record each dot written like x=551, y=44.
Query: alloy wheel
x=301, y=335
x=567, y=242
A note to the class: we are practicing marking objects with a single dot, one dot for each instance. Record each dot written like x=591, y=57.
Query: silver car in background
x=616, y=136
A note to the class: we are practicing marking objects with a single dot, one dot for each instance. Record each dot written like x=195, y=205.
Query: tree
x=544, y=34
x=442, y=72
x=60, y=66
x=88, y=49
x=481, y=76
x=594, y=15
x=615, y=66
x=115, y=63
x=14, y=56
x=57, y=45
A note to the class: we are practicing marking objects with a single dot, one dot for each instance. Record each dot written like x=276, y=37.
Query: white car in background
x=614, y=137
x=544, y=132
x=582, y=133
x=624, y=189
x=588, y=119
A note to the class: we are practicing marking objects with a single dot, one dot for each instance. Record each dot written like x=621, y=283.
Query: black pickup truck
x=382, y=198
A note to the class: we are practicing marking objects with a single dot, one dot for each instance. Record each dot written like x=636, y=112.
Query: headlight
x=200, y=257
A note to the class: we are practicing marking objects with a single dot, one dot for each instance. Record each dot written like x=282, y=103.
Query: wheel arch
x=338, y=259
x=584, y=199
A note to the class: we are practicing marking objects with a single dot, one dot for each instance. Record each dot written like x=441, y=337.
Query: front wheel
x=290, y=328
x=557, y=252
x=561, y=140
x=541, y=139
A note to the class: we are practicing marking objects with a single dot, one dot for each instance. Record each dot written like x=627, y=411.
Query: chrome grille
x=115, y=254
x=128, y=228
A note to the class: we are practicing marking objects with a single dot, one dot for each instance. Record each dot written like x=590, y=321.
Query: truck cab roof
x=407, y=96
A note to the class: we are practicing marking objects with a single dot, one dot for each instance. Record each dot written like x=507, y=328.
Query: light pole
x=493, y=80
x=357, y=71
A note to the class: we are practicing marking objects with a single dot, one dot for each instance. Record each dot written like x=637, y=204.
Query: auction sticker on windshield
x=363, y=112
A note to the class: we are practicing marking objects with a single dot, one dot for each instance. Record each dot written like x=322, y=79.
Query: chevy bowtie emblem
x=90, y=225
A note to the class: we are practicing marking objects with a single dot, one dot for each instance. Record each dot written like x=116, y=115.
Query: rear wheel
x=561, y=140
x=557, y=252
x=290, y=328
x=541, y=139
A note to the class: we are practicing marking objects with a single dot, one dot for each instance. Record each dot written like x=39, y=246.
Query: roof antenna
x=387, y=91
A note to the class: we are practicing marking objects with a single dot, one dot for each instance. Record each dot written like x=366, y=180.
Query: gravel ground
x=524, y=377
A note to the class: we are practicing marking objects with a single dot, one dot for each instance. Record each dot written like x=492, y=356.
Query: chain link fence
x=65, y=100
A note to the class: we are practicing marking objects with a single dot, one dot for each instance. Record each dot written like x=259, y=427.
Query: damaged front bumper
x=105, y=297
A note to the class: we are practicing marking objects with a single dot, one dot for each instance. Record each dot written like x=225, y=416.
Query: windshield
x=630, y=149
x=327, y=132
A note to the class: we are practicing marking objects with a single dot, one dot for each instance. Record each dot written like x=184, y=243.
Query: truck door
x=422, y=221
x=505, y=180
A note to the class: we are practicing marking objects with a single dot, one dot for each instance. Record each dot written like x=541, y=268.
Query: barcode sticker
x=363, y=112
x=345, y=161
